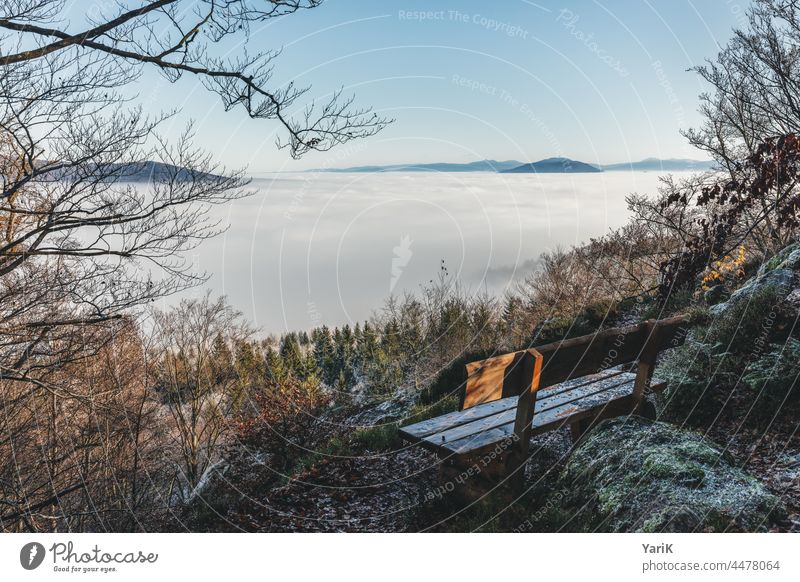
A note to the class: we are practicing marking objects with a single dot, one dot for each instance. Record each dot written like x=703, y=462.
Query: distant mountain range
x=479, y=166
x=655, y=164
x=553, y=166
x=558, y=165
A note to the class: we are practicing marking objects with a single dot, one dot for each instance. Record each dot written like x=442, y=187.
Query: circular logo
x=31, y=555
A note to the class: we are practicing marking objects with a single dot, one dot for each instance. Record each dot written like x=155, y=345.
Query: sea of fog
x=313, y=248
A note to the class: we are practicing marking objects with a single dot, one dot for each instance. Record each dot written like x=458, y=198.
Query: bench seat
x=483, y=426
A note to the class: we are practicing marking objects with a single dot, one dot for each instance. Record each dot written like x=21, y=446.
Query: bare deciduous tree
x=190, y=340
x=178, y=38
x=754, y=98
x=81, y=246
x=90, y=455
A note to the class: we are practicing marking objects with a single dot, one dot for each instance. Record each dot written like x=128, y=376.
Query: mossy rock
x=778, y=282
x=777, y=274
x=764, y=316
x=787, y=258
x=632, y=474
x=772, y=382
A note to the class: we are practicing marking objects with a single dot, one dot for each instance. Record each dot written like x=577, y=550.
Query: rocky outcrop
x=632, y=474
x=781, y=280
x=787, y=258
x=778, y=274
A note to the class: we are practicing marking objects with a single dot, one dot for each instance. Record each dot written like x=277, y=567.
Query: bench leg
x=515, y=473
x=578, y=429
x=472, y=478
x=645, y=409
x=623, y=407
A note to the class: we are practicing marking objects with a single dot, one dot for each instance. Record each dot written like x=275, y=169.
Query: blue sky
x=596, y=81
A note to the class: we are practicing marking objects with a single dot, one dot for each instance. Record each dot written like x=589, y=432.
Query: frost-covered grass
x=631, y=474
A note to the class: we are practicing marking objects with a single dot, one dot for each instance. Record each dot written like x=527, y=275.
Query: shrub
x=333, y=447
x=772, y=380
x=378, y=438
x=698, y=383
x=282, y=418
x=561, y=327
x=725, y=270
x=676, y=302
x=382, y=374
x=750, y=322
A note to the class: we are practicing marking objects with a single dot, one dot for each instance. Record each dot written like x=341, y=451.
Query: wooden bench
x=508, y=398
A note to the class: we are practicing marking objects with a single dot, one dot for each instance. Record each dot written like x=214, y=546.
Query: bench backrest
x=498, y=377
x=509, y=374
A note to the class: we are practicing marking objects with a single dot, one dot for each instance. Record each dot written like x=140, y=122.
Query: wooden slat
x=594, y=353
x=550, y=420
x=481, y=441
x=453, y=419
x=471, y=428
x=620, y=406
x=588, y=391
x=568, y=409
x=467, y=439
x=572, y=412
x=548, y=397
x=589, y=354
x=576, y=384
x=485, y=379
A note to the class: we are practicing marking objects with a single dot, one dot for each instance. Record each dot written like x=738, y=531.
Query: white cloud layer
x=323, y=248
